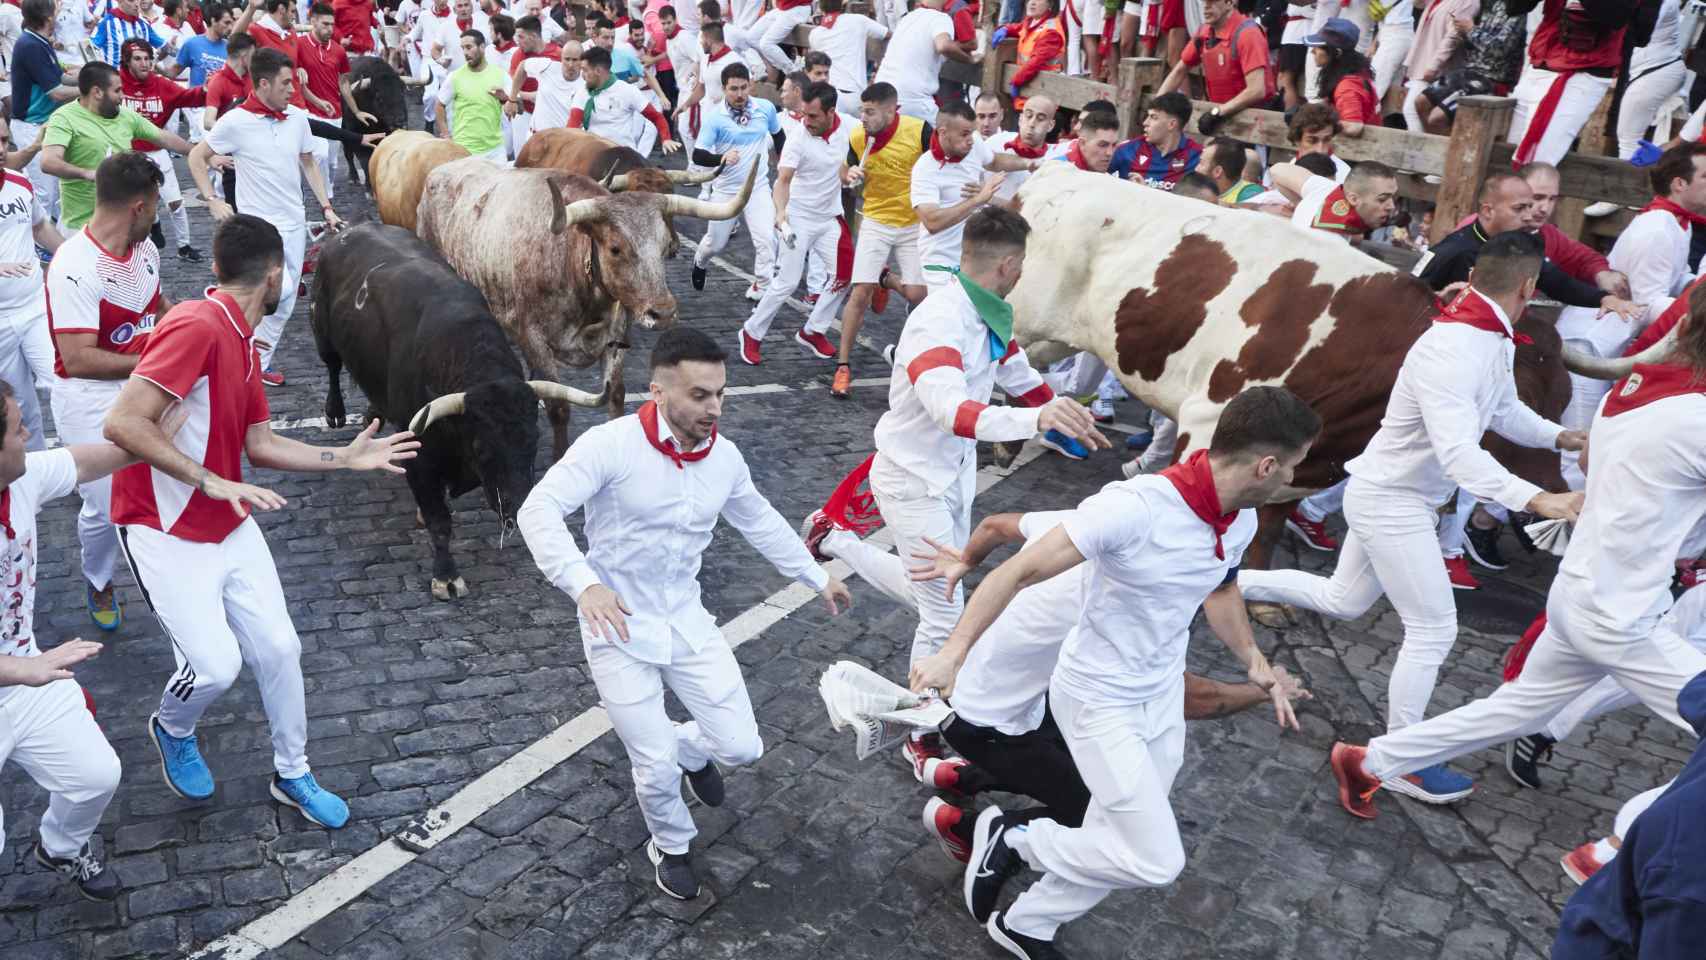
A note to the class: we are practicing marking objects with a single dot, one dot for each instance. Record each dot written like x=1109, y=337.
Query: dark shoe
x=706, y=785
x=992, y=864
x=157, y=235
x=698, y=277
x=674, y=872
x=1483, y=546
x=1523, y=757
x=1519, y=521
x=189, y=254
x=1020, y=945
x=94, y=881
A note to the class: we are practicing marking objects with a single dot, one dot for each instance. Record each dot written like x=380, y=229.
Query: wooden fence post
x=1481, y=122
x=1137, y=80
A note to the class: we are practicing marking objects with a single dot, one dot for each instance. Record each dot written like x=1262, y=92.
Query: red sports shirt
x=89, y=290
x=226, y=89
x=325, y=64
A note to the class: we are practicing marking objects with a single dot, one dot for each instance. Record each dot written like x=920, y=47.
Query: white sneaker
x=1102, y=410
x=1603, y=208
x=755, y=292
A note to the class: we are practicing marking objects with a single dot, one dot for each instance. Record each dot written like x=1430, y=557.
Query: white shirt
x=844, y=42
x=1652, y=251
x=710, y=73
x=1149, y=563
x=1665, y=46
x=1297, y=20
x=48, y=475
x=617, y=106
x=1003, y=143
x=647, y=524
x=19, y=214
x=815, y=194
x=1455, y=385
x=555, y=96
x=939, y=399
x=684, y=54
x=1003, y=683
x=1314, y=195
x=911, y=62
x=268, y=152
x=941, y=184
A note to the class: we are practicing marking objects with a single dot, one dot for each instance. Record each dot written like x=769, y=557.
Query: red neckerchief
x=937, y=151
x=882, y=139
x=1652, y=381
x=722, y=52
x=467, y=24
x=1022, y=149
x=834, y=125
x=441, y=11
x=1195, y=482
x=649, y=422
x=1337, y=214
x=255, y=106
x=829, y=21
x=6, y=512
x=171, y=24
x=1075, y=153
x=671, y=34
x=1685, y=218
x=1477, y=311
x=505, y=49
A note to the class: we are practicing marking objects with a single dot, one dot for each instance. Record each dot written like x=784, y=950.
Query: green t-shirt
x=475, y=115
x=89, y=138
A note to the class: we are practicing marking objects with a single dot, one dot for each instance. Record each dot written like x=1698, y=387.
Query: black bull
x=380, y=96
x=421, y=343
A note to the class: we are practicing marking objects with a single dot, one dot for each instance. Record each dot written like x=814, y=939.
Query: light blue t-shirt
x=625, y=66
x=721, y=131
x=203, y=55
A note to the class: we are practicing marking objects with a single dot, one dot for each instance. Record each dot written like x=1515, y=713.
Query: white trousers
x=46, y=187
x=49, y=732
x=1582, y=93
x=1076, y=375
x=1322, y=504
x=912, y=514
x=80, y=410
x=1128, y=757
x=774, y=27
x=760, y=217
x=1641, y=101
x=824, y=240
x=1452, y=526
x=1392, y=549
x=709, y=684
x=1163, y=443
x=26, y=362
x=1412, y=112
x=272, y=325
x=924, y=108
x=171, y=207
x=1388, y=61
x=221, y=606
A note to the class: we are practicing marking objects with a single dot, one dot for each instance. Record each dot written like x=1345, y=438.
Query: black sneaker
x=1519, y=523
x=1523, y=757
x=1483, y=546
x=675, y=872
x=94, y=881
x=993, y=862
x=698, y=277
x=189, y=254
x=1020, y=945
x=157, y=235
x=706, y=785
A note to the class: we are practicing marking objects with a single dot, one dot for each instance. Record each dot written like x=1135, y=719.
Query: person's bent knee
x=740, y=751
x=1157, y=865
x=281, y=651
x=218, y=671
x=100, y=778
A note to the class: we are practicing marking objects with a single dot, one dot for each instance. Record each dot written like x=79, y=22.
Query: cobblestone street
x=814, y=854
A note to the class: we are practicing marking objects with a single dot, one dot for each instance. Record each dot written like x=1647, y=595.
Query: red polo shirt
x=285, y=44
x=325, y=64
x=353, y=20
x=225, y=89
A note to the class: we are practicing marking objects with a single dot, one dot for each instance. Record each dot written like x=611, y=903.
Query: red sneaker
x=940, y=774
x=817, y=343
x=749, y=351
x=942, y=818
x=1356, y=787
x=272, y=378
x=1313, y=533
x=914, y=753
x=880, y=299
x=813, y=530
x=1580, y=863
x=1457, y=568
x=810, y=299
x=1689, y=573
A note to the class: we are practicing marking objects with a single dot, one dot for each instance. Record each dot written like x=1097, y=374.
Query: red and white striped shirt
x=90, y=290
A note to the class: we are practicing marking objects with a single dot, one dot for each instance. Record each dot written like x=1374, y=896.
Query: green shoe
x=104, y=608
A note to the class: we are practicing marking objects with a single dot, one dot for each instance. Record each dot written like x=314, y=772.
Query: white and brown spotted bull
x=565, y=264
x=590, y=155
x=1189, y=303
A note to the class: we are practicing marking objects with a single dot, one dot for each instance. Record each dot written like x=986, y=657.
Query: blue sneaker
x=1436, y=784
x=319, y=806
x=1064, y=445
x=103, y=606
x=180, y=761
x=1139, y=441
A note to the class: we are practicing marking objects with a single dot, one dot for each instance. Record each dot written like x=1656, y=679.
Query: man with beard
x=476, y=95
x=80, y=135
x=156, y=98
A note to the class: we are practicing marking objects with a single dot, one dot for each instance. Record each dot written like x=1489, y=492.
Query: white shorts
x=1133, y=9
x=1092, y=13
x=170, y=192
x=876, y=242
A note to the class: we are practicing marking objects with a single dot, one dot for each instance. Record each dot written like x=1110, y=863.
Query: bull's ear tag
x=1631, y=385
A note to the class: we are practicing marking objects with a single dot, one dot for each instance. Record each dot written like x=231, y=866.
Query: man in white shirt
x=1454, y=385
x=681, y=46
x=275, y=152
x=608, y=107
x=912, y=62
x=955, y=348
x=1030, y=142
x=736, y=137
x=1653, y=252
x=26, y=346
x=1153, y=550
x=775, y=26
x=715, y=53
x=948, y=185
x=844, y=37
x=653, y=485
x=560, y=86
x=1362, y=204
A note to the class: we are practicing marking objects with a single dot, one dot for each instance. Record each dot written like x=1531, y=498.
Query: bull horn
x=448, y=405
x=616, y=184
x=559, y=218
x=1616, y=368
x=692, y=177
x=564, y=216
x=674, y=206
x=550, y=390
x=609, y=179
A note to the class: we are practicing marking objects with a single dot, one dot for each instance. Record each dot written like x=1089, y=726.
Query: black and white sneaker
x=189, y=254
x=1020, y=945
x=1519, y=524
x=94, y=881
x=698, y=277
x=1524, y=755
x=674, y=872
x=706, y=785
x=1483, y=546
x=993, y=862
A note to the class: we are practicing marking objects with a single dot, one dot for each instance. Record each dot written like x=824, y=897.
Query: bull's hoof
x=420, y=521
x=1276, y=616
x=449, y=589
x=334, y=418
x=1005, y=453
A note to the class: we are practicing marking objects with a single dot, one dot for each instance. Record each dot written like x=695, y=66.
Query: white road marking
x=284, y=923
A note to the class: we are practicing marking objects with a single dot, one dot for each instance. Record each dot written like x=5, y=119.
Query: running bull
x=398, y=170
x=379, y=108
x=422, y=345
x=590, y=155
x=564, y=263
x=1189, y=303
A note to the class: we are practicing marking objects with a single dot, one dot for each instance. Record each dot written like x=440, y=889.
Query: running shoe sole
x=1572, y=871
x=284, y=798
x=1469, y=547
x=1057, y=448
x=1402, y=786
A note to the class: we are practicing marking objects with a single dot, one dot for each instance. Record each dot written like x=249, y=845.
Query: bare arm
x=268, y=450
x=1255, y=90
x=134, y=424
x=780, y=193
x=50, y=665
x=311, y=171
x=220, y=209
x=246, y=17
x=946, y=46
x=1290, y=178
x=1207, y=699
x=1011, y=163
x=1224, y=611
x=1175, y=78
x=172, y=142
x=47, y=235
x=86, y=361
x=53, y=164
x=936, y=218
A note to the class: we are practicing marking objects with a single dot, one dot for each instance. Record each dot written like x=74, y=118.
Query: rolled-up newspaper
x=880, y=712
x=1552, y=536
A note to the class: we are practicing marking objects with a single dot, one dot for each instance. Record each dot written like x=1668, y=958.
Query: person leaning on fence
x=1042, y=45
x=1313, y=129
x=1346, y=81
x=1233, y=52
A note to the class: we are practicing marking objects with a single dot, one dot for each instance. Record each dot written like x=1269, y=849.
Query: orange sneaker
x=1356, y=787
x=842, y=386
x=1581, y=863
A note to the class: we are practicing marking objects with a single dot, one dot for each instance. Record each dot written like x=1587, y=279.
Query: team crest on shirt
x=1631, y=385
x=1340, y=208
x=126, y=332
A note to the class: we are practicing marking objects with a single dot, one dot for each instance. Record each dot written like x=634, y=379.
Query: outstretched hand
x=940, y=563
x=369, y=452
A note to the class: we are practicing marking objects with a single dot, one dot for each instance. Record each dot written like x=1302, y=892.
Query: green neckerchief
x=592, y=101
x=996, y=313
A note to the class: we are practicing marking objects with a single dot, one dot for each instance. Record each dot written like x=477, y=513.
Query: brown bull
x=398, y=172
x=590, y=155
